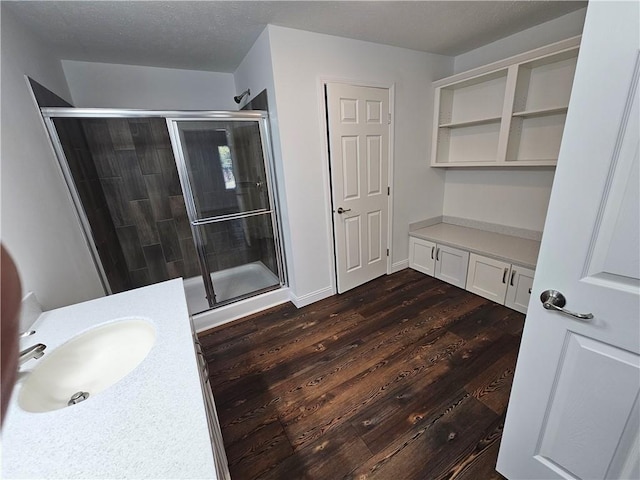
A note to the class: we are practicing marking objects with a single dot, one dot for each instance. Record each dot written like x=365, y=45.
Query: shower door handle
x=342, y=210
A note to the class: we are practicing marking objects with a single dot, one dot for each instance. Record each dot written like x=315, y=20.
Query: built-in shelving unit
x=510, y=113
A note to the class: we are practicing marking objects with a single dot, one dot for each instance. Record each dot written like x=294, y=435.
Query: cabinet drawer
x=518, y=292
x=488, y=277
x=422, y=255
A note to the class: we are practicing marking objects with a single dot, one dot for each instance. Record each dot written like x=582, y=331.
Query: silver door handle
x=342, y=210
x=554, y=300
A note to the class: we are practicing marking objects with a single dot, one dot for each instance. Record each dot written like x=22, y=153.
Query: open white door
x=359, y=154
x=574, y=409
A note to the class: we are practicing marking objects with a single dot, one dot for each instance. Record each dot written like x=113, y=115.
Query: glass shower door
x=226, y=176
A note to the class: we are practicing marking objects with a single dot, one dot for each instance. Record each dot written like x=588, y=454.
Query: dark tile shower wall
x=94, y=202
x=136, y=170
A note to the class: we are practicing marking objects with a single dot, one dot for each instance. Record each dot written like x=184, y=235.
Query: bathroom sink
x=86, y=365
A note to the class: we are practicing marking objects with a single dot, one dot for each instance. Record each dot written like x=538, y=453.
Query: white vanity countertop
x=150, y=424
x=520, y=251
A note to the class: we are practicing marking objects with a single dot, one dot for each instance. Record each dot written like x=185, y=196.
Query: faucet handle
x=28, y=333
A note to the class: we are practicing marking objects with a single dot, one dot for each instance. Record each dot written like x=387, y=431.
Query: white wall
x=513, y=197
x=131, y=86
x=39, y=226
x=300, y=59
x=517, y=199
x=568, y=25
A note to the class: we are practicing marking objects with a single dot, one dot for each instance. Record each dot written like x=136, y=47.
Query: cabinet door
x=519, y=289
x=451, y=265
x=488, y=277
x=422, y=255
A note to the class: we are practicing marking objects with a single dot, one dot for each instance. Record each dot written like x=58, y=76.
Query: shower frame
x=172, y=117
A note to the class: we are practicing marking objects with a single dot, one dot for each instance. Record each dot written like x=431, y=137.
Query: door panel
x=592, y=378
x=350, y=168
x=451, y=265
x=487, y=277
x=359, y=156
x=573, y=411
x=374, y=230
x=422, y=255
x=519, y=289
x=374, y=165
x=224, y=170
x=353, y=241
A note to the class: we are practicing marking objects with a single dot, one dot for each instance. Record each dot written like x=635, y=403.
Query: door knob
x=342, y=210
x=554, y=300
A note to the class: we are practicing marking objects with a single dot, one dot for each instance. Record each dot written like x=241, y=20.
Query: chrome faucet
x=34, y=351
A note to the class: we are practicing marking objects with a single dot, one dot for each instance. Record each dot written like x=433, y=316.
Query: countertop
x=151, y=424
x=520, y=251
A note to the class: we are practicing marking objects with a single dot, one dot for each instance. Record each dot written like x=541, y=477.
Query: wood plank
x=479, y=461
x=492, y=385
x=329, y=410
x=343, y=446
x=344, y=356
x=404, y=377
x=428, y=450
x=264, y=449
x=417, y=400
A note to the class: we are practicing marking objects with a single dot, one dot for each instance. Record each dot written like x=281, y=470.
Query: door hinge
x=388, y=190
x=389, y=119
x=387, y=252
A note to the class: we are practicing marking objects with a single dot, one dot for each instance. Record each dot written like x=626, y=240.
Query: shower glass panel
x=226, y=178
x=226, y=167
x=163, y=195
x=240, y=255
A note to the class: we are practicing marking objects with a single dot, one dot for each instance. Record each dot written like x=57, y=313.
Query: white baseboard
x=312, y=297
x=219, y=316
x=401, y=265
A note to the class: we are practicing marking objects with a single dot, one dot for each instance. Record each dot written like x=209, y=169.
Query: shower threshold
x=228, y=284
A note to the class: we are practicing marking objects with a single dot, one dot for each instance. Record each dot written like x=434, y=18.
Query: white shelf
x=540, y=112
x=512, y=116
x=547, y=162
x=535, y=137
x=471, y=123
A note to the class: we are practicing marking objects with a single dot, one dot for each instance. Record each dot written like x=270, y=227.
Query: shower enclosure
x=167, y=194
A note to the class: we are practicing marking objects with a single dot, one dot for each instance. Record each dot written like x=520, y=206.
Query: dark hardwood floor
x=405, y=377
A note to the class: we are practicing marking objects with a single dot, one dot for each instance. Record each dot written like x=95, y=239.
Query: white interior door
x=358, y=121
x=574, y=409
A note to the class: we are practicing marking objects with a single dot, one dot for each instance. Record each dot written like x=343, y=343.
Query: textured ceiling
x=216, y=35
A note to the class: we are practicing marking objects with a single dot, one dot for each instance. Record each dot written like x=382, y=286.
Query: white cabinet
x=422, y=256
x=446, y=263
x=510, y=113
x=500, y=282
x=488, y=277
x=451, y=265
x=519, y=289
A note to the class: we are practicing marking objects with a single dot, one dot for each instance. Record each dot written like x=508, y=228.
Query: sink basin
x=86, y=365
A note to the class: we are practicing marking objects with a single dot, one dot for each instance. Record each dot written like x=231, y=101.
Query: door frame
x=326, y=173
